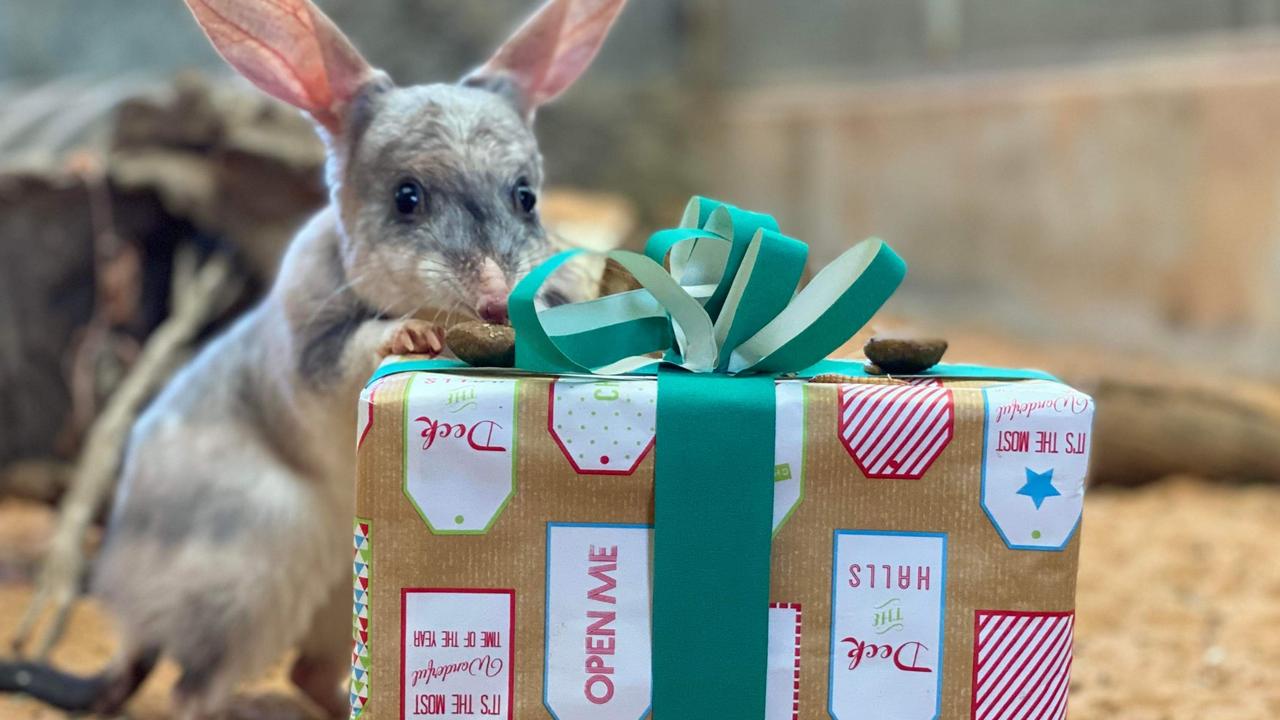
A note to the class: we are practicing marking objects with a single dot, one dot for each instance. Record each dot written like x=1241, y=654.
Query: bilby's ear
x=549, y=52
x=290, y=50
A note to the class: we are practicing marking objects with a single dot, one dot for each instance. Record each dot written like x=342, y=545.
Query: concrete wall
x=1134, y=203
x=621, y=129
x=1126, y=200
x=764, y=39
x=833, y=38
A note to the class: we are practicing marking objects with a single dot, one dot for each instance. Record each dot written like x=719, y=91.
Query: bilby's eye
x=524, y=196
x=409, y=198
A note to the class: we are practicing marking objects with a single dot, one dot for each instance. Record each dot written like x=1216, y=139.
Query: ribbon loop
x=718, y=294
x=756, y=298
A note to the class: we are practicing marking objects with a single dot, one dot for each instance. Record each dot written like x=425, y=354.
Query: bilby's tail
x=104, y=693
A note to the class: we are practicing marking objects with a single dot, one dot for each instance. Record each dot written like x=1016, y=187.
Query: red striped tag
x=1021, y=664
x=782, y=694
x=896, y=431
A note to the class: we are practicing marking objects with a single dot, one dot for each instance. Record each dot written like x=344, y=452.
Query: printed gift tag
x=886, y=624
x=459, y=463
x=603, y=427
x=788, y=450
x=598, y=627
x=782, y=694
x=895, y=432
x=1021, y=664
x=455, y=649
x=1035, y=456
x=599, y=634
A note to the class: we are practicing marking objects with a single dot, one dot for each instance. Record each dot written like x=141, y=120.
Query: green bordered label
x=459, y=450
x=788, y=451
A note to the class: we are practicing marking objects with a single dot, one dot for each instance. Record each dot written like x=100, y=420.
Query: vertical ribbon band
x=713, y=514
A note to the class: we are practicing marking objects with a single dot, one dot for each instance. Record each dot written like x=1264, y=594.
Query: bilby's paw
x=413, y=337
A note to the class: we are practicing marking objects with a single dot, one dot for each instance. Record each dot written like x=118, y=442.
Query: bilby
x=228, y=544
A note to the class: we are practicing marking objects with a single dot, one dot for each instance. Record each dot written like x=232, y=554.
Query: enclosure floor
x=1179, y=610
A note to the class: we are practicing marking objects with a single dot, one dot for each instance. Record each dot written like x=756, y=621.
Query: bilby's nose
x=492, y=305
x=493, y=311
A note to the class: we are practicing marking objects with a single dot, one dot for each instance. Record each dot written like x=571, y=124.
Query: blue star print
x=1039, y=486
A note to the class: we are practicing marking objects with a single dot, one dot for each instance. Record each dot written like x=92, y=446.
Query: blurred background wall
x=618, y=130
x=1094, y=170
x=1087, y=186
x=1099, y=172
x=1093, y=173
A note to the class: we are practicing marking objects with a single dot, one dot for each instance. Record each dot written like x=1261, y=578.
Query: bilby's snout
x=493, y=311
x=492, y=290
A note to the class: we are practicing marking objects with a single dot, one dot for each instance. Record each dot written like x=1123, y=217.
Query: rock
x=905, y=356
x=482, y=344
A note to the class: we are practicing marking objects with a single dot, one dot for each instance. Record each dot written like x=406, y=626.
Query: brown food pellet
x=905, y=356
x=482, y=344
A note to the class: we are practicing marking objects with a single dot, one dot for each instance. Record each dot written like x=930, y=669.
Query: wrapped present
x=676, y=507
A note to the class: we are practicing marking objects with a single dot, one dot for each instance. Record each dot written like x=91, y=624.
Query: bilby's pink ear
x=290, y=50
x=549, y=52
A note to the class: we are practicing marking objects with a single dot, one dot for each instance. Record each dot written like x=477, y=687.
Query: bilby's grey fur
x=468, y=148
x=229, y=540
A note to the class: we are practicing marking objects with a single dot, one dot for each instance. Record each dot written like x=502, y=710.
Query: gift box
x=675, y=507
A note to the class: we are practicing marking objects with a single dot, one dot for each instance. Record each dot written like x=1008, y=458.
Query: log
x=46, y=293
x=235, y=165
x=1214, y=427
x=197, y=300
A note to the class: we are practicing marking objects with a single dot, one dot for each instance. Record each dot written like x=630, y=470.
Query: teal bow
x=718, y=294
x=718, y=298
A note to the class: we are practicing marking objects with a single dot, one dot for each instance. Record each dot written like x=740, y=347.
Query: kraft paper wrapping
x=941, y=518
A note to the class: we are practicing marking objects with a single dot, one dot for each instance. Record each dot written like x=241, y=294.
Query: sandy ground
x=1179, y=610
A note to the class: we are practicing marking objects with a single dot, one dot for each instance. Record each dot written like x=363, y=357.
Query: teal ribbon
x=713, y=518
x=847, y=368
x=718, y=294
x=718, y=317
